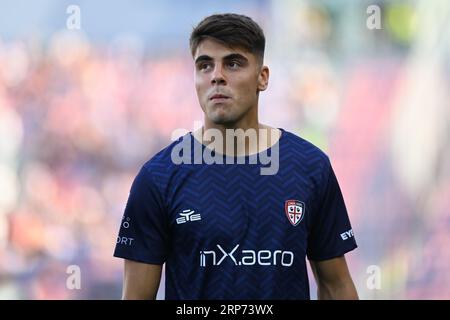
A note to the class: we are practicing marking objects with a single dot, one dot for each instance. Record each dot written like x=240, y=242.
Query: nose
x=218, y=76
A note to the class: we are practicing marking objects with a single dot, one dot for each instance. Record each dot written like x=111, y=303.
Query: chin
x=221, y=117
x=224, y=116
x=221, y=120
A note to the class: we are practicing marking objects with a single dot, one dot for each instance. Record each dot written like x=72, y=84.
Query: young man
x=226, y=230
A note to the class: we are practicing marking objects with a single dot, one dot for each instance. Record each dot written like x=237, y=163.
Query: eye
x=204, y=66
x=234, y=64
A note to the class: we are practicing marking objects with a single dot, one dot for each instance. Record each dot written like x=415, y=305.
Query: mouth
x=218, y=97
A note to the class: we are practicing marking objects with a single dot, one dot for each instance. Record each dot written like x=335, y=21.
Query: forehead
x=218, y=50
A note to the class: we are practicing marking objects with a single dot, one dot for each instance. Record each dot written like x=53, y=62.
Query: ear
x=263, y=78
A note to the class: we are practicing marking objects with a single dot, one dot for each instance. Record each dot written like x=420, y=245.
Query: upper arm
x=330, y=234
x=141, y=280
x=333, y=279
x=143, y=237
x=331, y=271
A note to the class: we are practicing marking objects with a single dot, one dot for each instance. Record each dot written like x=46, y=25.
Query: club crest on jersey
x=295, y=210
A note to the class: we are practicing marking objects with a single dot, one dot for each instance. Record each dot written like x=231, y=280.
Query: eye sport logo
x=246, y=257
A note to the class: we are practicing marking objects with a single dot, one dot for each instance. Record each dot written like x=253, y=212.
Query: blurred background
x=84, y=103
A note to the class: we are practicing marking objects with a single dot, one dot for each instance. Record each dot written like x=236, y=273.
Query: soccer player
x=227, y=230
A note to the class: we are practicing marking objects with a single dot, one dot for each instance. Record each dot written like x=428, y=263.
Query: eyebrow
x=231, y=56
x=235, y=56
x=203, y=58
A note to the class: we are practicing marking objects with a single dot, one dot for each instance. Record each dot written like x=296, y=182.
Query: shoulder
x=162, y=160
x=305, y=160
x=161, y=171
x=303, y=151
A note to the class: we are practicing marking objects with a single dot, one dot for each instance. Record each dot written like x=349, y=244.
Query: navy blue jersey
x=227, y=232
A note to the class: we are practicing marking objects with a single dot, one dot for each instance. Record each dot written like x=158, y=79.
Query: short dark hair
x=233, y=30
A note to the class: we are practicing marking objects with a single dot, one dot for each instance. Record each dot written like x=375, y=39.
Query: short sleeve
x=143, y=234
x=331, y=234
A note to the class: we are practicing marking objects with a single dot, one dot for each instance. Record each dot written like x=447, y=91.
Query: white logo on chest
x=188, y=215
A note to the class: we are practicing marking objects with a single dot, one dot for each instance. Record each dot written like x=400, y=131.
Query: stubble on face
x=226, y=83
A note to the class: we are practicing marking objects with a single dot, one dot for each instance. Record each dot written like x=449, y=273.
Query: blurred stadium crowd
x=78, y=118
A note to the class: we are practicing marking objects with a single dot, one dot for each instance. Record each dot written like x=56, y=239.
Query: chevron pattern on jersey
x=244, y=246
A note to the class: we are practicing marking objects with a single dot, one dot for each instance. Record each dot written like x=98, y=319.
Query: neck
x=245, y=137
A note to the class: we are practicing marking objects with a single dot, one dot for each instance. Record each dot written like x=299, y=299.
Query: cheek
x=247, y=86
x=247, y=80
x=200, y=87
